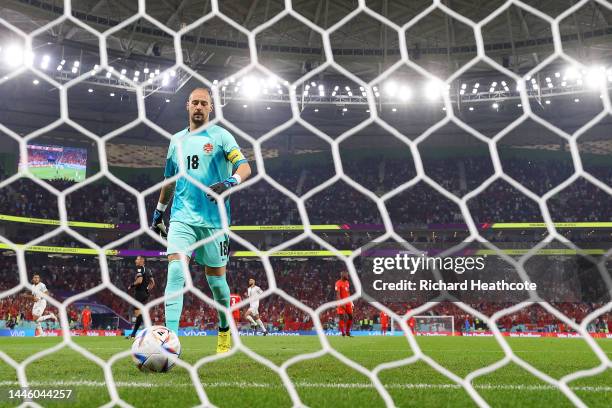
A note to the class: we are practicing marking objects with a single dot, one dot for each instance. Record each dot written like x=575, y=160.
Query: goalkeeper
x=212, y=157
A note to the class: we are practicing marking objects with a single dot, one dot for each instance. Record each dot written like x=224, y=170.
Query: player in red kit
x=384, y=322
x=411, y=322
x=235, y=299
x=86, y=318
x=345, y=311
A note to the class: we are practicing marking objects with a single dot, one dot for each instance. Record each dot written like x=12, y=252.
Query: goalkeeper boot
x=224, y=342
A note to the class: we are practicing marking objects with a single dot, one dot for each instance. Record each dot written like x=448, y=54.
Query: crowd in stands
x=310, y=282
x=339, y=203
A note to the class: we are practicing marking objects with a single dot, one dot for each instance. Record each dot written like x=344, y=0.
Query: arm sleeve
x=232, y=150
x=171, y=167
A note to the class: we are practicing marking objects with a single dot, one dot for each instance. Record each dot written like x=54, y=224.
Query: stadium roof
x=365, y=46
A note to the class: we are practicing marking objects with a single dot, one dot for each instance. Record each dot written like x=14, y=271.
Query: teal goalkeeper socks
x=221, y=293
x=174, y=301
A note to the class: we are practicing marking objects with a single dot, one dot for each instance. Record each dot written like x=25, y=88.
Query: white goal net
x=435, y=325
x=424, y=323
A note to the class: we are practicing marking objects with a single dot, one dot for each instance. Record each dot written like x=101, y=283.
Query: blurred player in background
x=86, y=318
x=212, y=157
x=143, y=284
x=40, y=304
x=384, y=322
x=345, y=310
x=235, y=299
x=411, y=322
x=252, y=313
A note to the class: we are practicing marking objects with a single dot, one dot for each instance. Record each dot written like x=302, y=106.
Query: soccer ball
x=156, y=349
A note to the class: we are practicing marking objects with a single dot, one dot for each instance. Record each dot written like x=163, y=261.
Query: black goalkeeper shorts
x=142, y=297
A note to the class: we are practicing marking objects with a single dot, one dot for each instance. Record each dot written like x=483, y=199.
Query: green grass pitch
x=50, y=173
x=320, y=382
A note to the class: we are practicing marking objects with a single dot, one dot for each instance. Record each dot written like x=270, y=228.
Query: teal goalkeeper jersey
x=209, y=156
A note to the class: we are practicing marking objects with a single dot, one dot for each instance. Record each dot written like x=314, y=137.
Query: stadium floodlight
x=96, y=67
x=433, y=89
x=520, y=105
x=334, y=93
x=112, y=94
x=571, y=73
x=13, y=55
x=76, y=64
x=577, y=100
x=547, y=101
x=463, y=86
x=347, y=88
x=307, y=87
x=404, y=93
x=123, y=71
x=250, y=87
x=550, y=85
x=268, y=108
x=313, y=84
x=36, y=82
x=136, y=73
x=595, y=76
x=245, y=106
x=305, y=93
x=90, y=90
x=377, y=94
x=280, y=91
x=350, y=93
x=461, y=92
x=336, y=88
x=316, y=109
x=390, y=88
x=375, y=89
x=74, y=70
x=62, y=62
x=108, y=74
x=151, y=75
x=157, y=71
x=59, y=67
x=393, y=109
x=563, y=83
x=345, y=109
x=557, y=74
x=321, y=87
x=166, y=80
x=494, y=84
x=167, y=100
x=45, y=62
x=471, y=108
x=145, y=70
x=491, y=90
x=476, y=85
x=223, y=88
x=495, y=105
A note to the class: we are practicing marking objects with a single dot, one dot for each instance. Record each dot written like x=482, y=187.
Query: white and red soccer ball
x=156, y=349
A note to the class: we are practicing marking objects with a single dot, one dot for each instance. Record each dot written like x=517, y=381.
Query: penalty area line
x=243, y=384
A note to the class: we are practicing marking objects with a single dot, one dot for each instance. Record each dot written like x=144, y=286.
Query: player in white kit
x=40, y=304
x=252, y=313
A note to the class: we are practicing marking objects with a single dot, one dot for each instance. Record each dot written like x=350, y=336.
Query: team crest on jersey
x=208, y=148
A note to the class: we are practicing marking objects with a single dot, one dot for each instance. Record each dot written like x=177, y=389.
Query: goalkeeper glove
x=221, y=187
x=157, y=225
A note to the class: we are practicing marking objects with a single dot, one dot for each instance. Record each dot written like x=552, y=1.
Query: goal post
x=434, y=324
